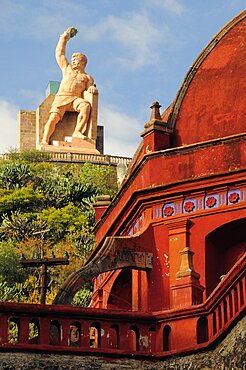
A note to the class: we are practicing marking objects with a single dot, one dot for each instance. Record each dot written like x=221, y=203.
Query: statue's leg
x=81, y=129
x=49, y=127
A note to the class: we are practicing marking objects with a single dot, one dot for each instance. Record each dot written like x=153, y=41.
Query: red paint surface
x=166, y=169
x=214, y=104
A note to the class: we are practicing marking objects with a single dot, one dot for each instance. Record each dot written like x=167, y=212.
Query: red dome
x=211, y=102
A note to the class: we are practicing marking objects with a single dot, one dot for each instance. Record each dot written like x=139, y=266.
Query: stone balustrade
x=78, y=158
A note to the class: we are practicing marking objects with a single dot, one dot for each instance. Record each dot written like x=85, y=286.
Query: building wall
x=26, y=130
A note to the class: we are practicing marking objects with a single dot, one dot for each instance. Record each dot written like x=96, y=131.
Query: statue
x=70, y=96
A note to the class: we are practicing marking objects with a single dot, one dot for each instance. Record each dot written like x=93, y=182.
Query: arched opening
x=95, y=335
x=74, y=334
x=228, y=241
x=55, y=333
x=13, y=330
x=166, y=338
x=121, y=293
x=113, y=337
x=133, y=338
x=202, y=330
x=34, y=330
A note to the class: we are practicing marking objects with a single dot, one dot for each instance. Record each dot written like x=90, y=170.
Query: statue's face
x=77, y=62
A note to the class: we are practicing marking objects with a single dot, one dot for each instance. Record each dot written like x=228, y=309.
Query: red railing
x=201, y=325
x=118, y=333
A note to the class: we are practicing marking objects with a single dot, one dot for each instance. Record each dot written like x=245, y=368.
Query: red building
x=174, y=236
x=169, y=264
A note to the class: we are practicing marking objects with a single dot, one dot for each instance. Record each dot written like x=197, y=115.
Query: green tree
x=61, y=189
x=37, y=195
x=17, y=292
x=65, y=221
x=29, y=155
x=102, y=178
x=18, y=226
x=19, y=200
x=10, y=268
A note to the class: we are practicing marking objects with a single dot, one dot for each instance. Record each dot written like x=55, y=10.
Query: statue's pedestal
x=75, y=145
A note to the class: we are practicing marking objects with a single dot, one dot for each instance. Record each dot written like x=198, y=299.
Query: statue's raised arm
x=61, y=46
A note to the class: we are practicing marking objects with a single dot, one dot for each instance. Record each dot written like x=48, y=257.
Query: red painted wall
x=214, y=104
x=158, y=277
x=167, y=168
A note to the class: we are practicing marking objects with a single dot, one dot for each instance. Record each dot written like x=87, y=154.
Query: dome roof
x=211, y=101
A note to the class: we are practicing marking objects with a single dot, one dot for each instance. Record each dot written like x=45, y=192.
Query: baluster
x=4, y=326
x=210, y=326
x=85, y=336
x=243, y=290
x=44, y=331
x=227, y=307
x=123, y=336
x=104, y=335
x=215, y=322
x=233, y=302
x=219, y=317
x=236, y=300
x=224, y=312
x=230, y=305
x=24, y=330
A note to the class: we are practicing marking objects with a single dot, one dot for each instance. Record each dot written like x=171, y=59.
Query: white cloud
x=138, y=37
x=172, y=6
x=134, y=35
x=8, y=126
x=122, y=132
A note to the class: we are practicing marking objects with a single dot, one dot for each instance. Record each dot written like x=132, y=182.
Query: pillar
x=184, y=280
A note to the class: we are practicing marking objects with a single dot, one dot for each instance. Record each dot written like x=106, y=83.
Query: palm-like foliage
x=19, y=226
x=15, y=175
x=60, y=190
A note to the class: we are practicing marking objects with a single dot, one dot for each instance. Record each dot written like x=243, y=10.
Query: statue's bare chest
x=74, y=81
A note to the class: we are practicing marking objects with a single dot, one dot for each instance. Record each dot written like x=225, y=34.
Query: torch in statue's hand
x=71, y=32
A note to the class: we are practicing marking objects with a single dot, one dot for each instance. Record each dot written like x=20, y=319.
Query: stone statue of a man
x=75, y=81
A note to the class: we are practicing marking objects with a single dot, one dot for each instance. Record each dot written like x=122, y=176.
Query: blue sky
x=138, y=51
